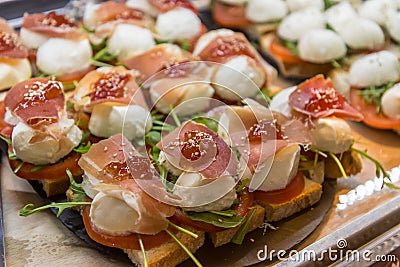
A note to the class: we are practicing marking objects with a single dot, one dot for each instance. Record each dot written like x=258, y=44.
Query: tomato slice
x=53, y=171
x=128, y=241
x=243, y=208
x=294, y=188
x=281, y=51
x=371, y=118
x=230, y=16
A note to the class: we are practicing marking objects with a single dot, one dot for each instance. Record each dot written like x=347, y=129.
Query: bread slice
x=224, y=237
x=292, y=69
x=351, y=162
x=170, y=253
x=311, y=194
x=54, y=187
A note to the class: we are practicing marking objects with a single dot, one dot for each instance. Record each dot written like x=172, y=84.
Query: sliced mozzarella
x=332, y=135
x=390, y=102
x=206, y=38
x=263, y=11
x=337, y=15
x=360, y=33
x=90, y=17
x=295, y=5
x=112, y=213
x=129, y=40
x=284, y=167
x=142, y=5
x=13, y=71
x=201, y=194
x=321, y=46
x=393, y=25
x=89, y=182
x=179, y=23
x=108, y=119
x=37, y=147
x=232, y=86
x=61, y=56
x=32, y=39
x=341, y=80
x=280, y=102
x=298, y=23
x=374, y=69
x=187, y=99
x=376, y=10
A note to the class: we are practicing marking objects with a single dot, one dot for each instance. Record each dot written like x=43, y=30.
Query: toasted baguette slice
x=54, y=187
x=224, y=237
x=351, y=163
x=311, y=194
x=170, y=253
x=301, y=69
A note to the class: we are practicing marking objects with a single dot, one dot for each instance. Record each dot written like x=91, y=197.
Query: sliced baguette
x=292, y=69
x=224, y=237
x=170, y=253
x=311, y=194
x=54, y=187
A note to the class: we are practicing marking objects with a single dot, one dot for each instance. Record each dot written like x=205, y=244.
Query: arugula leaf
x=5, y=139
x=292, y=46
x=69, y=105
x=208, y=122
x=83, y=149
x=85, y=28
x=184, y=44
x=244, y=183
x=104, y=55
x=196, y=261
x=239, y=236
x=183, y=230
x=75, y=187
x=11, y=155
x=373, y=94
x=339, y=164
x=19, y=166
x=226, y=213
x=215, y=219
x=29, y=209
x=38, y=167
x=329, y=3
x=152, y=138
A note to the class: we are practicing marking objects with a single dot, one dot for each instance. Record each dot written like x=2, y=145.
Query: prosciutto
x=317, y=97
x=36, y=101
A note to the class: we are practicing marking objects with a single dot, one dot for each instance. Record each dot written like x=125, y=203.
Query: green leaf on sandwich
x=224, y=219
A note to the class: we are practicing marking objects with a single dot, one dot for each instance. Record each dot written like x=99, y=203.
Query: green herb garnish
x=373, y=94
x=183, y=230
x=239, y=236
x=292, y=46
x=174, y=116
x=244, y=183
x=83, y=149
x=19, y=166
x=11, y=155
x=104, y=55
x=5, y=139
x=226, y=213
x=339, y=164
x=216, y=219
x=196, y=261
x=38, y=167
x=329, y=3
x=29, y=208
x=152, y=138
x=208, y=122
x=75, y=187
x=145, y=263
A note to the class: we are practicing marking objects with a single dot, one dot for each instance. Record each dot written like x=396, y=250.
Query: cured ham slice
x=195, y=148
x=10, y=46
x=167, y=5
x=318, y=98
x=36, y=101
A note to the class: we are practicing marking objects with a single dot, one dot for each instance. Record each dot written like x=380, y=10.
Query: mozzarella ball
x=13, y=71
x=61, y=56
x=280, y=102
x=107, y=119
x=201, y=194
x=263, y=11
x=374, y=69
x=129, y=40
x=376, y=10
x=298, y=23
x=295, y=5
x=332, y=135
x=179, y=23
x=142, y=5
x=360, y=33
x=321, y=46
x=32, y=39
x=33, y=146
x=390, y=102
x=277, y=176
x=206, y=38
x=337, y=15
x=392, y=23
x=89, y=16
x=232, y=86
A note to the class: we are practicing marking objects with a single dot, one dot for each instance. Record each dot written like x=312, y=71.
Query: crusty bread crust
x=54, y=187
x=292, y=69
x=351, y=162
x=224, y=237
x=311, y=194
x=170, y=253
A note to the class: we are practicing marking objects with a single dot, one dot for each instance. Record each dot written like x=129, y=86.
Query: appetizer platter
x=161, y=142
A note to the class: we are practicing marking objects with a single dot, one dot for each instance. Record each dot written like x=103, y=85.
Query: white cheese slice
x=108, y=119
x=13, y=71
x=60, y=56
x=391, y=102
x=129, y=40
x=295, y=5
x=375, y=69
x=142, y=5
x=280, y=102
x=332, y=135
x=32, y=39
x=179, y=23
x=259, y=11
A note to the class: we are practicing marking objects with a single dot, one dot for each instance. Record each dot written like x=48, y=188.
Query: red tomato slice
x=229, y=15
x=128, y=242
x=371, y=118
x=281, y=51
x=294, y=188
